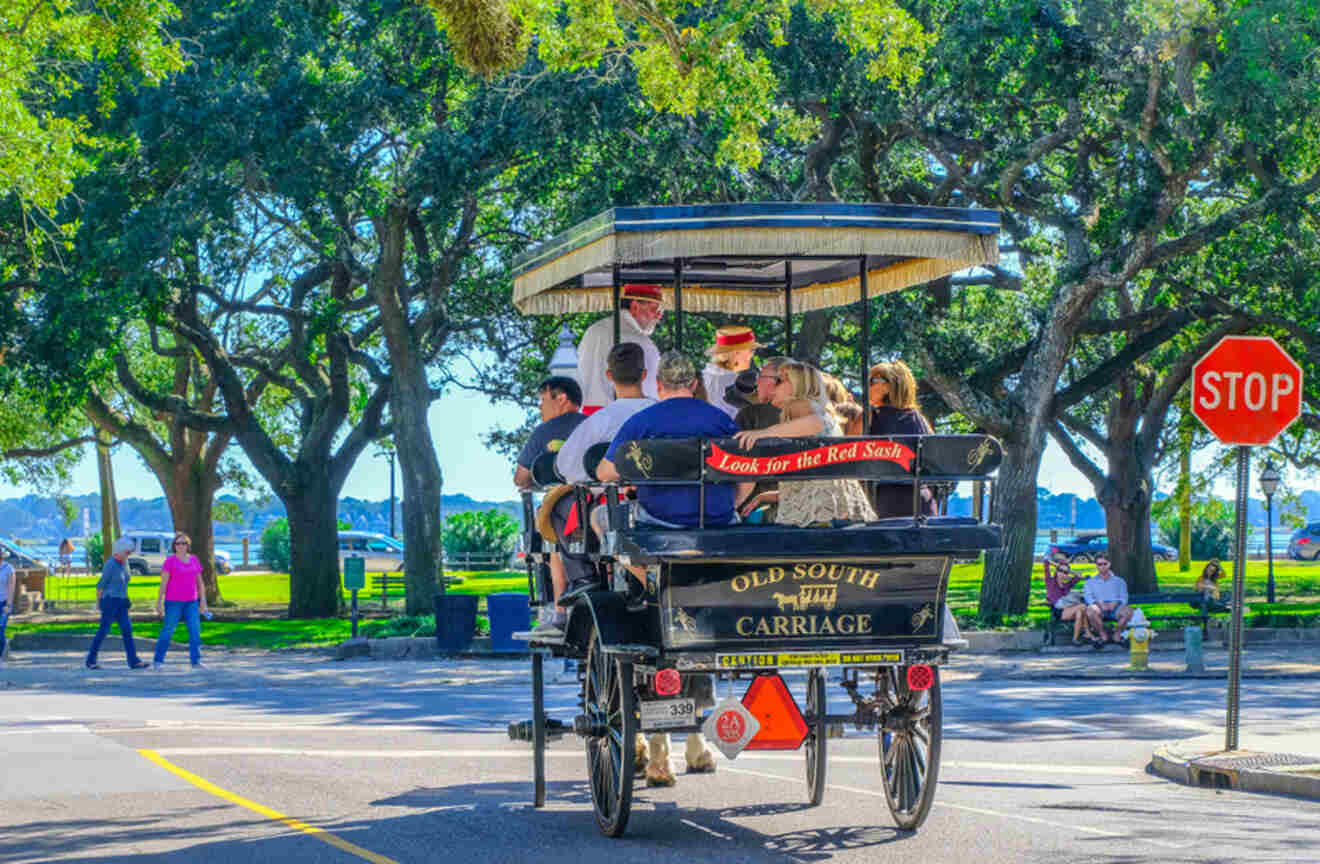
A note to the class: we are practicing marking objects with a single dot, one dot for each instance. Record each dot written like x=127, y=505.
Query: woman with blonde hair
x=735, y=347
x=804, y=408
x=892, y=392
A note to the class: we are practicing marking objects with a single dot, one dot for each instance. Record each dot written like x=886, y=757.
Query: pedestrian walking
x=112, y=598
x=182, y=596
x=8, y=590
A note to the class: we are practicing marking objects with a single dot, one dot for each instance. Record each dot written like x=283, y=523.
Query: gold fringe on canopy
x=927, y=255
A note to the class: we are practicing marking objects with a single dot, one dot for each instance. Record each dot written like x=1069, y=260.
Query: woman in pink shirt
x=181, y=595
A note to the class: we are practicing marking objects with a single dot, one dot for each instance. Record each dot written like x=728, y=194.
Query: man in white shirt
x=1106, y=598
x=640, y=310
x=627, y=371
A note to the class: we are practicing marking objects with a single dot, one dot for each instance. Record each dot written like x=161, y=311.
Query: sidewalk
x=1268, y=764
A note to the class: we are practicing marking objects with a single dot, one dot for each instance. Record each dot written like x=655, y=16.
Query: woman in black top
x=892, y=392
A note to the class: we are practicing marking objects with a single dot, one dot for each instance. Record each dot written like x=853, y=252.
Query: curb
x=1201, y=773
x=77, y=642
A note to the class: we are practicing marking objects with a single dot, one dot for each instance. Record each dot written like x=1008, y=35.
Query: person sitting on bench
x=1106, y=598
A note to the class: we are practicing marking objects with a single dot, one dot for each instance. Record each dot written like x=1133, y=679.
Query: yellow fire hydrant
x=1139, y=636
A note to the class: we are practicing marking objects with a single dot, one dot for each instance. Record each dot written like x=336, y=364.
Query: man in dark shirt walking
x=112, y=597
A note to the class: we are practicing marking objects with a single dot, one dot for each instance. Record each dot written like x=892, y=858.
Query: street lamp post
x=390, y=454
x=1269, y=482
x=564, y=362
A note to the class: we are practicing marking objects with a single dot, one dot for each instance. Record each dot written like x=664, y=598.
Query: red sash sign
x=818, y=457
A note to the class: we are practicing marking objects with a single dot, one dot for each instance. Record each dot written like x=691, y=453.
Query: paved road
x=300, y=759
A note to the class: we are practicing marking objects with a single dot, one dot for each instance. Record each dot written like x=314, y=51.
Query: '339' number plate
x=668, y=713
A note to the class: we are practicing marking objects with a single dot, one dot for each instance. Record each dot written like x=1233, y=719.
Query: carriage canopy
x=741, y=258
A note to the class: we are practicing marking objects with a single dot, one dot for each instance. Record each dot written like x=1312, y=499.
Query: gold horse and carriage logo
x=825, y=597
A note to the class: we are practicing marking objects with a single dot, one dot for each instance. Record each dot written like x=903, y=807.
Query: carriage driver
x=640, y=310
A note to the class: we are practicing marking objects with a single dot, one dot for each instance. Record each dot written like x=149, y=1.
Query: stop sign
x=1246, y=390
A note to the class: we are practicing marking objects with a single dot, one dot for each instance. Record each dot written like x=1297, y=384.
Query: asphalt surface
x=297, y=758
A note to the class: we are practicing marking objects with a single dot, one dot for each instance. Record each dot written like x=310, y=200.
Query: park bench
x=381, y=584
x=1202, y=607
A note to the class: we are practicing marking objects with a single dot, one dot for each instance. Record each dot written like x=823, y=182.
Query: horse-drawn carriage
x=742, y=602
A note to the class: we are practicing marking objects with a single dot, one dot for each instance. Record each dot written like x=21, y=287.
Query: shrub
x=491, y=534
x=95, y=553
x=275, y=545
x=1212, y=527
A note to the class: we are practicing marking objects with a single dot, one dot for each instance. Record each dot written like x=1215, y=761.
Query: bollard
x=1139, y=648
x=1192, y=648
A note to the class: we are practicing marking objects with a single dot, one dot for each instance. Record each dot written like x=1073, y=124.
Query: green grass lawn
x=1297, y=586
x=255, y=589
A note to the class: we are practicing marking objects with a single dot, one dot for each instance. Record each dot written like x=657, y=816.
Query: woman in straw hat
x=734, y=348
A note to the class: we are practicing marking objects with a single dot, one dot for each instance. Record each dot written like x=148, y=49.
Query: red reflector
x=667, y=682
x=1302, y=541
x=920, y=677
x=782, y=726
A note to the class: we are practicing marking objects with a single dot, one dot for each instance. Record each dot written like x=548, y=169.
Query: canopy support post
x=616, y=287
x=788, y=308
x=866, y=345
x=678, y=304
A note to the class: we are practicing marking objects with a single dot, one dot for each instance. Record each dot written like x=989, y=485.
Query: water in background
x=50, y=553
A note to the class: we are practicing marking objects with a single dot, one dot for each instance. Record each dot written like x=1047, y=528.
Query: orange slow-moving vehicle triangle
x=782, y=725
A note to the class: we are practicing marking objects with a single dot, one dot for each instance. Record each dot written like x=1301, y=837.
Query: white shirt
x=1111, y=590
x=599, y=427
x=718, y=379
x=594, y=352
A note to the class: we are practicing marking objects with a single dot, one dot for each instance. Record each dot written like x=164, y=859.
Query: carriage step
x=522, y=730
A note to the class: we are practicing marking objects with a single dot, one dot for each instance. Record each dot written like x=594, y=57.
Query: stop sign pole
x=1245, y=390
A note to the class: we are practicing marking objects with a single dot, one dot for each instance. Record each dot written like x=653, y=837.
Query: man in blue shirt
x=678, y=414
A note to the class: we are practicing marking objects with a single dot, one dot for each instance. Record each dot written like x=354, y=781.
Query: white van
x=384, y=554
x=151, y=548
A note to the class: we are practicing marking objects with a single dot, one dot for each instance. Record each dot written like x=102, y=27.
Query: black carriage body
x=782, y=605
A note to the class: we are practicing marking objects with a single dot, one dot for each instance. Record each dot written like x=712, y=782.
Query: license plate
x=668, y=713
x=810, y=659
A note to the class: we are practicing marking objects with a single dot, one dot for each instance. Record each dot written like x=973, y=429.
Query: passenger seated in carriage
x=805, y=411
x=626, y=372
x=677, y=415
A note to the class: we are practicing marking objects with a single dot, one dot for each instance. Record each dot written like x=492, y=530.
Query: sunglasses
x=879, y=380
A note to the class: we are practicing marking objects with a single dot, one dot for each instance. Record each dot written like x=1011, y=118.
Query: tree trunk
x=110, y=529
x=410, y=399
x=423, y=483
x=313, y=554
x=1184, y=492
x=1127, y=522
x=190, y=498
x=1006, y=585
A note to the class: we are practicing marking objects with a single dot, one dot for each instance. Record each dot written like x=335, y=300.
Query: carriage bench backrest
x=896, y=458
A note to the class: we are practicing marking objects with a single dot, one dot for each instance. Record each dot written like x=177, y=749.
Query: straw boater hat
x=637, y=291
x=735, y=337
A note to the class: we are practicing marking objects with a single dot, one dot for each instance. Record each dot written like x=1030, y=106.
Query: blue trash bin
x=455, y=622
x=509, y=613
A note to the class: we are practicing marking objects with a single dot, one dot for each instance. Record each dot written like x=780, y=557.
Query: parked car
x=151, y=548
x=20, y=558
x=1304, y=545
x=1084, y=547
x=384, y=554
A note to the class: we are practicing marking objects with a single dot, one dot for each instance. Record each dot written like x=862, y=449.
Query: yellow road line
x=318, y=833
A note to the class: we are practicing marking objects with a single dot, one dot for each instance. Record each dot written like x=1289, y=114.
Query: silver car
x=1304, y=545
x=384, y=554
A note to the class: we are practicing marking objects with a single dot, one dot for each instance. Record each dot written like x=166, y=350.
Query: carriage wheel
x=610, y=705
x=815, y=741
x=909, y=745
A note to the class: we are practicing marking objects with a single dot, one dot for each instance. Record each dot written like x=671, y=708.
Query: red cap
x=638, y=291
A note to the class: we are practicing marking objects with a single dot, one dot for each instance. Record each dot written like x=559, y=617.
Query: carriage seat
x=912, y=460
x=959, y=536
